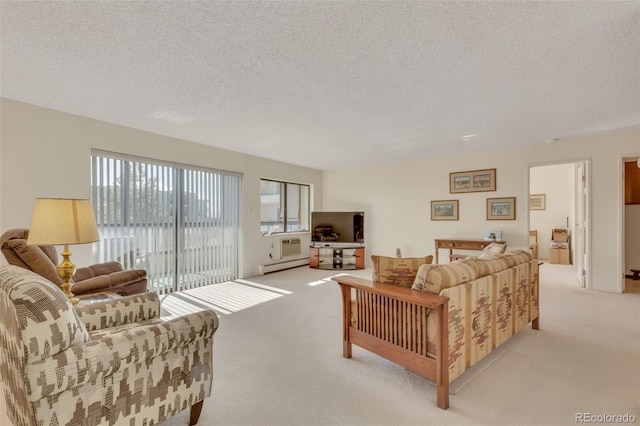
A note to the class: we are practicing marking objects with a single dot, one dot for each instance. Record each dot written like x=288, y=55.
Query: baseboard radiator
x=279, y=266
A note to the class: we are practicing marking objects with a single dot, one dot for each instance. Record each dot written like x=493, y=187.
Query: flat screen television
x=337, y=227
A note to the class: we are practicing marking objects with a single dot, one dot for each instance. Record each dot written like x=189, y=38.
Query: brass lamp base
x=66, y=270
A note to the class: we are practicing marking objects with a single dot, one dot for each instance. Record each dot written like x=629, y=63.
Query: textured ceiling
x=332, y=84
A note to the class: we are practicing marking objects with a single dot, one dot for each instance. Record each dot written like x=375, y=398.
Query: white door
x=582, y=219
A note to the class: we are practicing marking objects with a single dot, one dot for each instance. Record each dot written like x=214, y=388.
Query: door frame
x=621, y=218
x=581, y=255
x=588, y=208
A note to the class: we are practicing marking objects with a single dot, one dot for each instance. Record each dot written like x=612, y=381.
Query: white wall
x=557, y=183
x=1, y=150
x=46, y=153
x=396, y=198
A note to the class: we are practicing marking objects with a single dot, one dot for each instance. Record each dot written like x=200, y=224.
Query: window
x=182, y=225
x=284, y=207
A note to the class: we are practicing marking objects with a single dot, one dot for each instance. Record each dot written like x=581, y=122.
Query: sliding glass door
x=181, y=224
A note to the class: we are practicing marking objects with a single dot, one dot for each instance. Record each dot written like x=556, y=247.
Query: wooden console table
x=461, y=244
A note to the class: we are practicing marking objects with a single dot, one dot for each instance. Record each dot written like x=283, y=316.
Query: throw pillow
x=493, y=249
x=421, y=277
x=397, y=271
x=37, y=259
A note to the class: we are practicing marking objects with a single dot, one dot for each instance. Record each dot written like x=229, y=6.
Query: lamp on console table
x=63, y=221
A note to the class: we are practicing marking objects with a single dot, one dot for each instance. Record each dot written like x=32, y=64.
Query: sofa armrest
x=121, y=311
x=400, y=293
x=381, y=302
x=117, y=350
x=111, y=280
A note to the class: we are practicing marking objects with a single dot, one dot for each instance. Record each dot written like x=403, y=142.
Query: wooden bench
x=378, y=303
x=412, y=328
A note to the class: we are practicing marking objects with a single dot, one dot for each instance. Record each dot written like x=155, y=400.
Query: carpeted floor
x=278, y=360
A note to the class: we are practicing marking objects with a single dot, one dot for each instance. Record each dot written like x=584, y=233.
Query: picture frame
x=537, y=202
x=501, y=208
x=444, y=210
x=472, y=181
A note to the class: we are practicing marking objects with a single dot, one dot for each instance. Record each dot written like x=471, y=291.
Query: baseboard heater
x=279, y=266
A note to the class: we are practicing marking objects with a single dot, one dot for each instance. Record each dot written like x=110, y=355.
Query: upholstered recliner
x=92, y=279
x=114, y=362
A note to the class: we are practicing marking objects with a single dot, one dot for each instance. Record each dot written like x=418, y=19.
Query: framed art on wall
x=472, y=181
x=537, y=202
x=501, y=208
x=444, y=210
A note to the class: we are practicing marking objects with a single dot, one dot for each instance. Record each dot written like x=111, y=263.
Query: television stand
x=336, y=256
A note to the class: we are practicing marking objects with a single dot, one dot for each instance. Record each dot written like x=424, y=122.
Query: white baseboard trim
x=279, y=266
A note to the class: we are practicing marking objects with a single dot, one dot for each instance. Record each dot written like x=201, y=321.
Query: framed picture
x=537, y=202
x=501, y=208
x=444, y=210
x=472, y=181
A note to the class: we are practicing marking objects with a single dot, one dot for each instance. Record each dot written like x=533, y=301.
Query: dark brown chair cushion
x=40, y=260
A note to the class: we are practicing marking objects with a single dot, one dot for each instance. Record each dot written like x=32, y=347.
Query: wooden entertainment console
x=336, y=256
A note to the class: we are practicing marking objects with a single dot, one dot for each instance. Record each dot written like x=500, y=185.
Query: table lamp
x=63, y=221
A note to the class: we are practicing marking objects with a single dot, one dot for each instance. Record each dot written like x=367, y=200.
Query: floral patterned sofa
x=112, y=362
x=469, y=306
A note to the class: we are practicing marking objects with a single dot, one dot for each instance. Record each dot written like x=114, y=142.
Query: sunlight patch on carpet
x=224, y=298
x=265, y=287
x=319, y=282
x=324, y=280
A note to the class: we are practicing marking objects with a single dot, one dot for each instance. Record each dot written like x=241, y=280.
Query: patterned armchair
x=114, y=362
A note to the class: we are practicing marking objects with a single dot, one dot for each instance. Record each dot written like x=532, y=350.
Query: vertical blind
x=182, y=225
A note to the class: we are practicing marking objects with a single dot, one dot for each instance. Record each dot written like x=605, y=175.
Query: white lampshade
x=58, y=221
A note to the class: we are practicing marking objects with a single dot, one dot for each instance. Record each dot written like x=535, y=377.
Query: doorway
x=559, y=212
x=630, y=224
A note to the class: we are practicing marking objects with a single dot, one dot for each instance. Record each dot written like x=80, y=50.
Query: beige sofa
x=114, y=362
x=469, y=306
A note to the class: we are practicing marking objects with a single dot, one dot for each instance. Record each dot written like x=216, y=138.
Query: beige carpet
x=278, y=361
x=459, y=383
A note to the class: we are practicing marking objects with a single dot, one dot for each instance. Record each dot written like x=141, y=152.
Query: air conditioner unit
x=289, y=247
